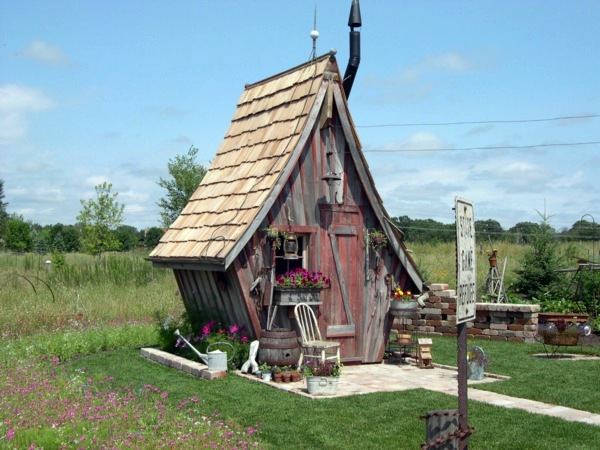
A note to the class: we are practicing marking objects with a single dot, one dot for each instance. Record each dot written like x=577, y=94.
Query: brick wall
x=498, y=321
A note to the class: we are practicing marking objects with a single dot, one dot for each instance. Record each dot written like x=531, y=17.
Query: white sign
x=466, y=263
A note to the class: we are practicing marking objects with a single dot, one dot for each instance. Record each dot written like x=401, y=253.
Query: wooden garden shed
x=291, y=160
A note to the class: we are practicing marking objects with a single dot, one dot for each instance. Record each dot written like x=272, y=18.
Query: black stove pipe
x=354, y=60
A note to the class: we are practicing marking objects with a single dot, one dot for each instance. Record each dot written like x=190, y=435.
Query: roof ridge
x=288, y=71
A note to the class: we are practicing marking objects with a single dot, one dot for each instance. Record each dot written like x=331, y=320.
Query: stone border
x=193, y=368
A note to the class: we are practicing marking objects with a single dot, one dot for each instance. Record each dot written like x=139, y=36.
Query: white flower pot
x=266, y=376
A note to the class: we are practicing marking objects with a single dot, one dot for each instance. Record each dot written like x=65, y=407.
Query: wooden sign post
x=466, y=285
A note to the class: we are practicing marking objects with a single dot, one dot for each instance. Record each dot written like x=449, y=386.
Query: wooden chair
x=313, y=345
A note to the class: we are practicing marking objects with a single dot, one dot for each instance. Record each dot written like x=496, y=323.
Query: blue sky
x=94, y=91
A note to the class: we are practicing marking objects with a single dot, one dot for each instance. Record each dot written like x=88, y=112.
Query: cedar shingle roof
x=266, y=128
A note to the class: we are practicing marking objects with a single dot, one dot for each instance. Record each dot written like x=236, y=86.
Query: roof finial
x=314, y=34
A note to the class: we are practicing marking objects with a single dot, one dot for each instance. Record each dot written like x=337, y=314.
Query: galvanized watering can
x=216, y=360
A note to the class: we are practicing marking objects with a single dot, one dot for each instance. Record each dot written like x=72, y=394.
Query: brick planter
x=497, y=321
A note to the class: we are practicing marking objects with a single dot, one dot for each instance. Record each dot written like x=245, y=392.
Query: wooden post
x=463, y=399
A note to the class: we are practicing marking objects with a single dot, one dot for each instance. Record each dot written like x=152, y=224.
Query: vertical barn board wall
x=208, y=295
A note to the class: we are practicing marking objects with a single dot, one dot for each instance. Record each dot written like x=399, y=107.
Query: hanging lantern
x=290, y=246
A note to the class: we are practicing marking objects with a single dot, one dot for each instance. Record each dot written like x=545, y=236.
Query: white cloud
x=49, y=194
x=411, y=83
x=95, y=180
x=478, y=130
x=136, y=208
x=134, y=196
x=16, y=98
x=18, y=191
x=16, y=102
x=447, y=62
x=45, y=53
x=423, y=141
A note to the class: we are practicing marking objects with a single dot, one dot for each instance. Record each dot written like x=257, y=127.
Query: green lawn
x=386, y=420
x=100, y=324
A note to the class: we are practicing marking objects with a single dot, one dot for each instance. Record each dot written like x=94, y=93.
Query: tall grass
x=437, y=262
x=81, y=291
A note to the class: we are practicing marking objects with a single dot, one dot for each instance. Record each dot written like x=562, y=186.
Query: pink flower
x=10, y=434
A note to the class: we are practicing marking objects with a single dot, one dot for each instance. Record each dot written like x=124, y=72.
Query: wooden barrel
x=278, y=347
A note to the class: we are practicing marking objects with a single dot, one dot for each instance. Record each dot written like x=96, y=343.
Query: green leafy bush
x=167, y=325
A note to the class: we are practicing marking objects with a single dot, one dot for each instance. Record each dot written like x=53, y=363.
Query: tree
x=99, y=219
x=425, y=230
x=538, y=277
x=490, y=227
x=128, y=237
x=64, y=238
x=186, y=176
x=584, y=230
x=524, y=232
x=152, y=236
x=3, y=212
x=18, y=236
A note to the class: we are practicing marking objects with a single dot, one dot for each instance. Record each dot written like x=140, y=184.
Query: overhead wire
x=478, y=122
x=502, y=147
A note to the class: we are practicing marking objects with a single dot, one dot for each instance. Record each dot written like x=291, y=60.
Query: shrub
x=537, y=277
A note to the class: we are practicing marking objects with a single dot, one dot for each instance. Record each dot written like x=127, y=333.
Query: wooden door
x=342, y=249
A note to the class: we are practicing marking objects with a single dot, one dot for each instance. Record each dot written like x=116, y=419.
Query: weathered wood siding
x=335, y=217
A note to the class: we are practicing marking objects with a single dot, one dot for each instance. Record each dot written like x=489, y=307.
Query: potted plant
x=561, y=333
x=277, y=374
x=492, y=257
x=273, y=236
x=402, y=300
x=322, y=377
x=296, y=376
x=265, y=371
x=300, y=286
x=376, y=239
x=287, y=373
x=477, y=362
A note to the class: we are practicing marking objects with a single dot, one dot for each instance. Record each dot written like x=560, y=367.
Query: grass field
x=73, y=377
x=81, y=292
x=437, y=261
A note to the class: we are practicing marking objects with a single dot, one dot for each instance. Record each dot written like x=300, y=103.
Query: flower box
x=292, y=296
x=322, y=385
x=398, y=308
